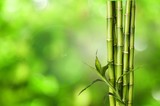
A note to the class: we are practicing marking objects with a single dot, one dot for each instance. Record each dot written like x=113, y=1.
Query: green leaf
x=90, y=66
x=97, y=64
x=124, y=75
x=105, y=80
x=118, y=99
x=97, y=80
x=104, y=69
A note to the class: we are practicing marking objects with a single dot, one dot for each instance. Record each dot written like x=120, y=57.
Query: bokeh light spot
x=41, y=4
x=156, y=94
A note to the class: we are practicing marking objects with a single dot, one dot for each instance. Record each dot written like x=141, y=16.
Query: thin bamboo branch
x=126, y=48
x=131, y=56
x=110, y=48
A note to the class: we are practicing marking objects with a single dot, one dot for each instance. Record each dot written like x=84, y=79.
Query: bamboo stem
x=115, y=39
x=119, y=55
x=110, y=48
x=126, y=49
x=115, y=36
x=131, y=56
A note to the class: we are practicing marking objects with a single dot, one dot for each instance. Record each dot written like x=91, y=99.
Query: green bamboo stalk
x=115, y=40
x=119, y=54
x=131, y=56
x=126, y=49
x=115, y=35
x=110, y=48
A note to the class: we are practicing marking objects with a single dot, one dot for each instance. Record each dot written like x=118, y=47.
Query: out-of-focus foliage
x=43, y=44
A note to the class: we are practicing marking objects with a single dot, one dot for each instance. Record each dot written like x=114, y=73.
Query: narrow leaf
x=126, y=73
x=104, y=68
x=97, y=80
x=97, y=64
x=105, y=80
x=90, y=66
x=123, y=76
x=119, y=100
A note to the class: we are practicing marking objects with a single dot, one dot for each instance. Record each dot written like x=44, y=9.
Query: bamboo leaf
x=123, y=76
x=89, y=66
x=127, y=73
x=97, y=64
x=102, y=76
x=97, y=80
x=105, y=80
x=119, y=100
x=104, y=69
x=105, y=97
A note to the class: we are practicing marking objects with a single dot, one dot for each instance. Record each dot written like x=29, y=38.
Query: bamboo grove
x=120, y=47
x=118, y=74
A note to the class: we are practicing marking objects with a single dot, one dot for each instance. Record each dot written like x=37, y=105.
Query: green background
x=45, y=43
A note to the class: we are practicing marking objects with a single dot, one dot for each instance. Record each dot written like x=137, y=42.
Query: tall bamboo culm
x=110, y=48
x=131, y=55
x=119, y=55
x=127, y=22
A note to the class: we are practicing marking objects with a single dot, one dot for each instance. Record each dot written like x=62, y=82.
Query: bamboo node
x=119, y=64
x=131, y=84
x=119, y=8
x=110, y=94
x=120, y=27
x=126, y=70
x=125, y=52
x=131, y=47
x=119, y=82
x=109, y=39
x=125, y=84
x=110, y=17
x=126, y=14
x=119, y=45
x=111, y=62
x=127, y=34
x=129, y=102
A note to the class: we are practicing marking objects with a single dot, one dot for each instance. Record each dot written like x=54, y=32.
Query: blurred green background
x=44, y=44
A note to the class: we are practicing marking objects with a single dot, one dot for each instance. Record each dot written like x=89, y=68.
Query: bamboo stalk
x=126, y=49
x=115, y=39
x=110, y=48
x=131, y=56
x=115, y=36
x=119, y=54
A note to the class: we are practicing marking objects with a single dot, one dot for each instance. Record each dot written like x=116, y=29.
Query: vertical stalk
x=115, y=40
x=131, y=56
x=115, y=37
x=126, y=49
x=110, y=49
x=119, y=54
